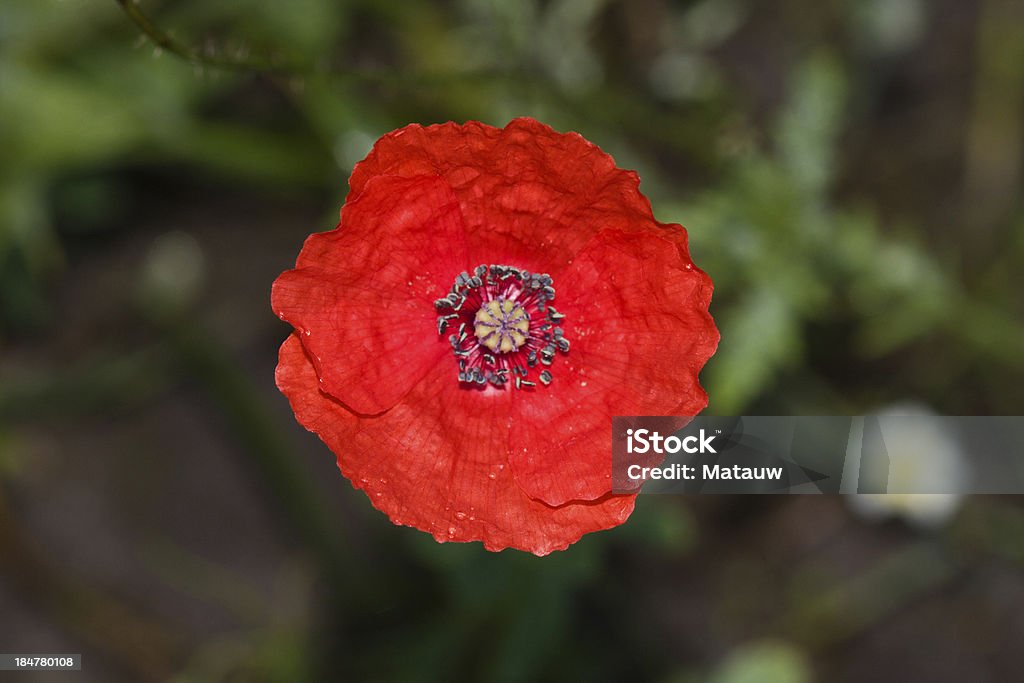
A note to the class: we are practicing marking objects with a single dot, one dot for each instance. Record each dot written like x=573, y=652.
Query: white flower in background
x=890, y=27
x=923, y=456
x=173, y=272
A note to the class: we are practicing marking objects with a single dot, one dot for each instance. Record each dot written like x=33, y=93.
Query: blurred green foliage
x=79, y=102
x=764, y=663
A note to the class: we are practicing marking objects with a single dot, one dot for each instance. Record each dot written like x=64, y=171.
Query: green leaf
x=764, y=662
x=759, y=336
x=810, y=123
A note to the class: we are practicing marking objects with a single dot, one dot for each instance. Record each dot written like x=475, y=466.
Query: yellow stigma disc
x=501, y=325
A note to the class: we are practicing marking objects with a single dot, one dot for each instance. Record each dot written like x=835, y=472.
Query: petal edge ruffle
x=362, y=295
x=429, y=465
x=640, y=331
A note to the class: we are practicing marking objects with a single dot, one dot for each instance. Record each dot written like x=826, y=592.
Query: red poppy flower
x=489, y=300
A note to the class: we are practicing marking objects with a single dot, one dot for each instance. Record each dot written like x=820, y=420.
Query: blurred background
x=849, y=171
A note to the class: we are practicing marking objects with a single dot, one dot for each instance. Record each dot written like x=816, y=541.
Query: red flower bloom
x=489, y=300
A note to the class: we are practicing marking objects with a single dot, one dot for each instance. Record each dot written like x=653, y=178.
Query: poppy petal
x=362, y=295
x=437, y=461
x=637, y=317
x=531, y=197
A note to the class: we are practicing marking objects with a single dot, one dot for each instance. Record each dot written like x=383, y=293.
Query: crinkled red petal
x=361, y=296
x=437, y=461
x=530, y=196
x=637, y=316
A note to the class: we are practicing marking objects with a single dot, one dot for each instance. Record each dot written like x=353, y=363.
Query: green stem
x=288, y=69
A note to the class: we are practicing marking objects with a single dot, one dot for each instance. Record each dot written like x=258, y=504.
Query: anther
x=547, y=355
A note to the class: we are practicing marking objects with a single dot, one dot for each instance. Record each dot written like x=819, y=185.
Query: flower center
x=514, y=326
x=501, y=325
